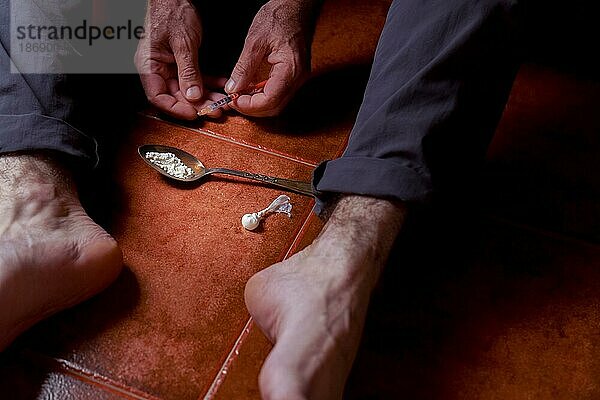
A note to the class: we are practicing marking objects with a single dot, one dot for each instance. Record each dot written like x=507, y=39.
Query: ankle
x=359, y=235
x=32, y=175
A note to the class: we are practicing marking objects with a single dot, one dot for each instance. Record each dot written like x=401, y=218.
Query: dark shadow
x=450, y=278
x=225, y=25
x=72, y=328
x=537, y=197
x=569, y=48
x=26, y=365
x=105, y=108
x=20, y=379
x=324, y=101
x=407, y=324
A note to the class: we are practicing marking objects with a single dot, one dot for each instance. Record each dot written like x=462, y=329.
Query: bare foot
x=313, y=305
x=52, y=255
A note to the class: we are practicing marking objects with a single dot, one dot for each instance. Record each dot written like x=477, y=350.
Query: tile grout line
x=258, y=147
x=300, y=233
x=235, y=351
x=219, y=379
x=229, y=360
x=109, y=385
x=306, y=218
x=83, y=375
x=231, y=140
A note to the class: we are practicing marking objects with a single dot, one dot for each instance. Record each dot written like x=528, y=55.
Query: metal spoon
x=201, y=171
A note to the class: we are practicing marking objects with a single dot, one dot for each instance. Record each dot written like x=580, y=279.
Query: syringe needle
x=229, y=98
x=218, y=104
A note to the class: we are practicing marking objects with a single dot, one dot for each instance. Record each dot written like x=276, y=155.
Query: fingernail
x=193, y=93
x=229, y=86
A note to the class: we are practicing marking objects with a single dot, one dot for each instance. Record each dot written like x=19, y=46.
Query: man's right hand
x=167, y=58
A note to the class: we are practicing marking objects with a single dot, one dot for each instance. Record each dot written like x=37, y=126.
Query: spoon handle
x=301, y=187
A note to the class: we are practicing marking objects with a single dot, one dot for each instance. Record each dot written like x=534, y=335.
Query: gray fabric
x=442, y=73
x=36, y=110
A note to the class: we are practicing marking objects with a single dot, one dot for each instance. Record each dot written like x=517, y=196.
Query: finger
x=247, y=66
x=215, y=83
x=154, y=76
x=173, y=85
x=212, y=97
x=158, y=95
x=273, y=98
x=153, y=69
x=143, y=57
x=216, y=96
x=190, y=80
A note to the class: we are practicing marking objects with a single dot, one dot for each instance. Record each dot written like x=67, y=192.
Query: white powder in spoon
x=170, y=163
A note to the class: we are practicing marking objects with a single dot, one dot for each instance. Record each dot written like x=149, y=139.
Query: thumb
x=190, y=80
x=246, y=68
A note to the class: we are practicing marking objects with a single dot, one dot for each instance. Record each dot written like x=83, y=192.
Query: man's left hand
x=281, y=34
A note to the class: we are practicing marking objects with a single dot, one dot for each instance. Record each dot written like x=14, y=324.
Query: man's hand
x=281, y=34
x=167, y=59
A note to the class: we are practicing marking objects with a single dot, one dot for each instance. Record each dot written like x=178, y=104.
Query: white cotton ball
x=250, y=221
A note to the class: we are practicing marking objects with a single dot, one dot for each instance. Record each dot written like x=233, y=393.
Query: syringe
x=229, y=98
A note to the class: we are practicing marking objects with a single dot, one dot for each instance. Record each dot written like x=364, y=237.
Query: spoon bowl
x=199, y=170
x=185, y=157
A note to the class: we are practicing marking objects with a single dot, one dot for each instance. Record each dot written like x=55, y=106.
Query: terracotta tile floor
x=495, y=312
x=543, y=162
x=166, y=327
x=471, y=306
